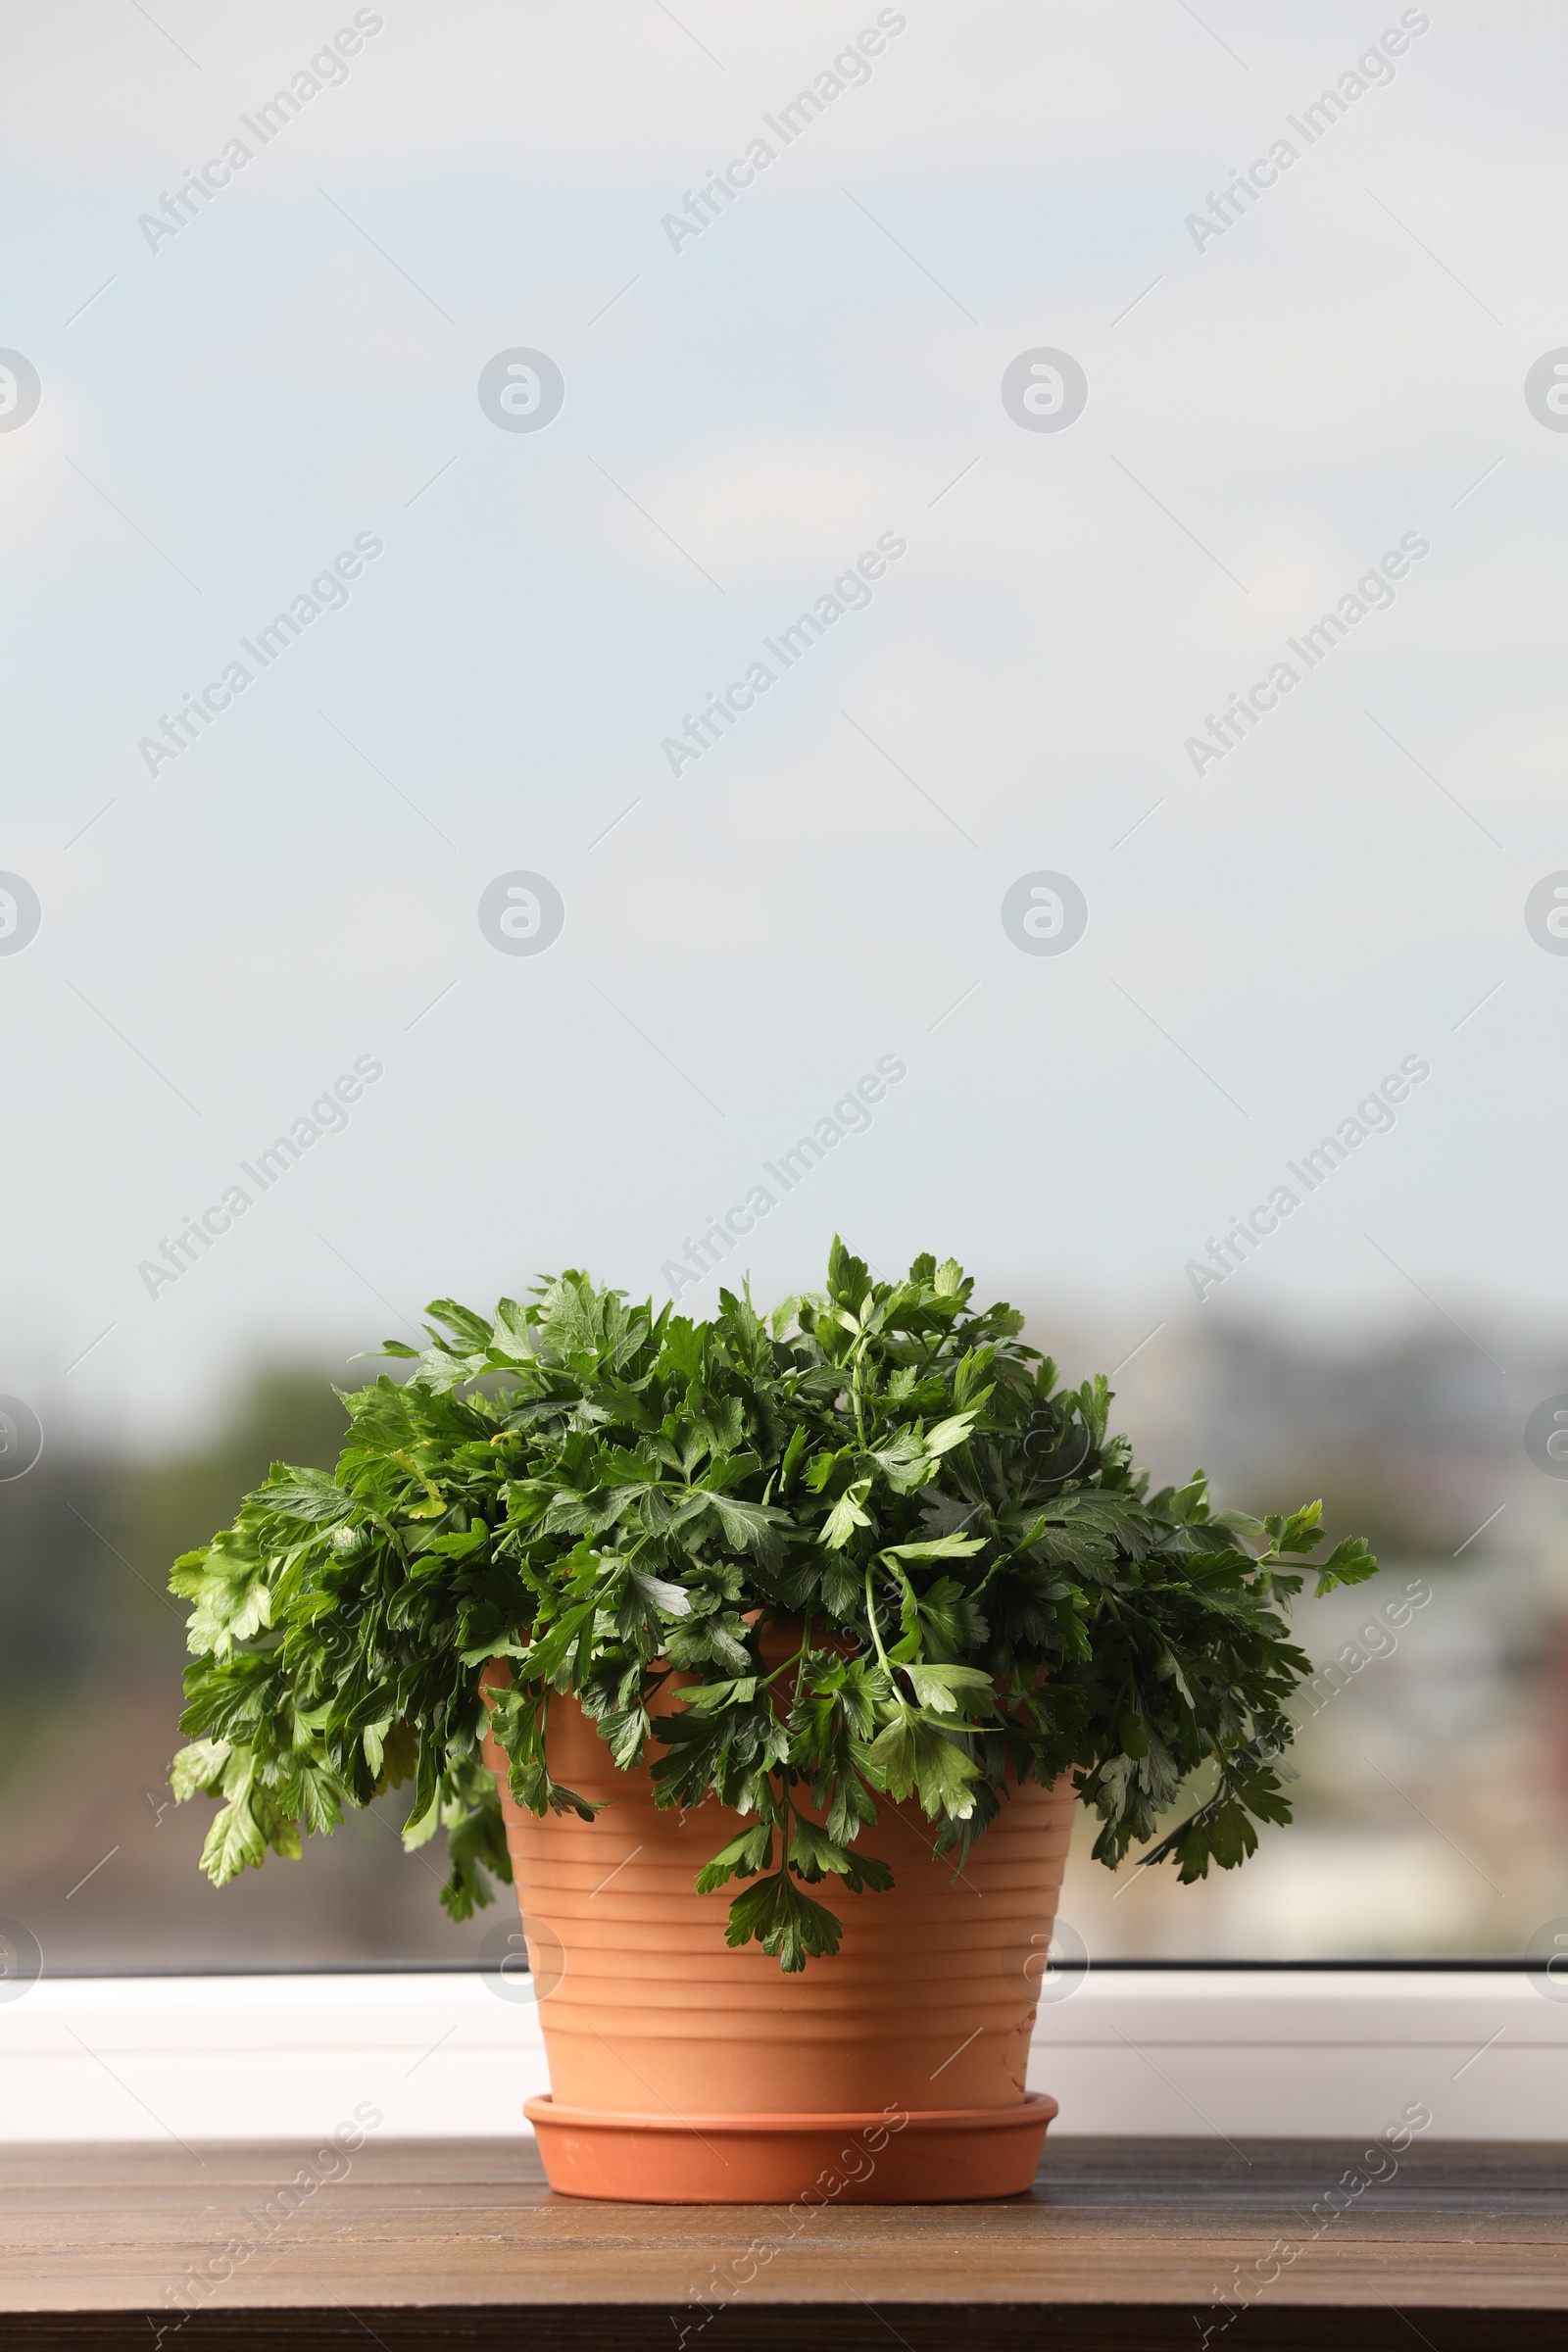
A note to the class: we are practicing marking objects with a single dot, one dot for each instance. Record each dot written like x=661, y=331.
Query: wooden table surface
x=445, y=2242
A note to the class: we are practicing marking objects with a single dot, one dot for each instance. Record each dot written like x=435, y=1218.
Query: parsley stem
x=870, y=1611
x=804, y=1653
x=796, y=1657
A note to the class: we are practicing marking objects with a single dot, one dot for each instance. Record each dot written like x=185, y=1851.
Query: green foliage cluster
x=973, y=1584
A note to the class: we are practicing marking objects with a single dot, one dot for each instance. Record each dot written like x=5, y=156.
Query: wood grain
x=425, y=2244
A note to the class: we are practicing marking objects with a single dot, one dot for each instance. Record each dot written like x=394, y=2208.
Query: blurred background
x=539, y=438
x=1433, y=1754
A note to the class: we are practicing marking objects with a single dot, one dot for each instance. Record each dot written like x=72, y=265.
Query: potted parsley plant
x=769, y=1660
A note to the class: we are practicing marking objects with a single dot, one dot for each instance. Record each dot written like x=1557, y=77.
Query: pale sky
x=294, y=374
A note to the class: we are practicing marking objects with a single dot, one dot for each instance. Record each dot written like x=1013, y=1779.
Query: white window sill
x=1129, y=2051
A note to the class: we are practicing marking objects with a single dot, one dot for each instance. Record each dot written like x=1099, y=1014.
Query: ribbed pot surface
x=928, y=2003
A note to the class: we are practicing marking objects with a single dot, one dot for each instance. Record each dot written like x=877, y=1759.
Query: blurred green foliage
x=87, y=1538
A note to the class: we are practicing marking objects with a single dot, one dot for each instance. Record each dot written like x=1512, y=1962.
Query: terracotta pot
x=683, y=2071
